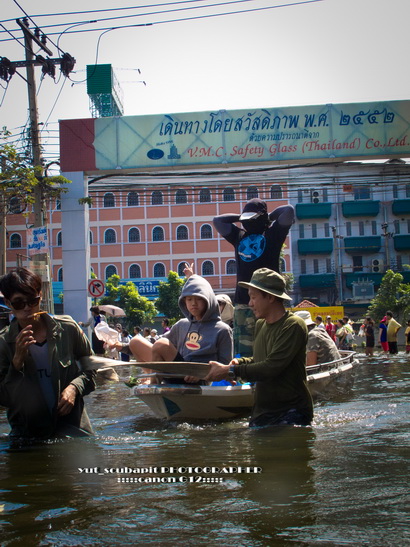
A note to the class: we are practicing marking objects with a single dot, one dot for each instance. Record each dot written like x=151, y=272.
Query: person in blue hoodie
x=201, y=336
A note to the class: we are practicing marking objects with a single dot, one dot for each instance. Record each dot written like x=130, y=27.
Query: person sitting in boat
x=320, y=347
x=201, y=336
x=279, y=355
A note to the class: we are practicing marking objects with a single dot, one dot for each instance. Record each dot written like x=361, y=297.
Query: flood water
x=345, y=481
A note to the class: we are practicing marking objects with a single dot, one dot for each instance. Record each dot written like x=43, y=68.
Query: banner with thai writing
x=37, y=240
x=304, y=133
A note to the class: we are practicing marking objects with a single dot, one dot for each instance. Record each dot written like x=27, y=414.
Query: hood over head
x=199, y=286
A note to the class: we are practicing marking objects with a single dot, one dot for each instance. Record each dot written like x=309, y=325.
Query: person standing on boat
x=320, y=348
x=201, y=336
x=257, y=244
x=393, y=328
x=278, y=364
x=41, y=384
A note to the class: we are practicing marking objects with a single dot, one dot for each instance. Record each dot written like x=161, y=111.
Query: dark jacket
x=20, y=391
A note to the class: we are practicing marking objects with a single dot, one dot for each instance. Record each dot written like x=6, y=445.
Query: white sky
x=330, y=51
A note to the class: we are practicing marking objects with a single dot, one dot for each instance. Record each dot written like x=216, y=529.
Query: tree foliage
x=169, y=293
x=139, y=310
x=393, y=295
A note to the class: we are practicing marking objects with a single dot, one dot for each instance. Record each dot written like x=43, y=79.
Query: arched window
x=110, y=270
x=109, y=200
x=231, y=267
x=135, y=271
x=134, y=235
x=276, y=191
x=15, y=241
x=110, y=236
x=207, y=268
x=251, y=192
x=59, y=239
x=158, y=234
x=156, y=198
x=181, y=268
x=229, y=194
x=181, y=196
x=282, y=265
x=58, y=206
x=60, y=274
x=205, y=195
x=16, y=206
x=132, y=199
x=206, y=231
x=182, y=232
x=91, y=237
x=159, y=270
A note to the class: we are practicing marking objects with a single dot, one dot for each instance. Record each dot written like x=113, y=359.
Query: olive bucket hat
x=267, y=281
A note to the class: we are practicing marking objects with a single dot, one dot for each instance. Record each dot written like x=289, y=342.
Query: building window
x=207, y=268
x=134, y=271
x=58, y=204
x=59, y=240
x=91, y=237
x=110, y=236
x=157, y=198
x=60, y=275
x=315, y=266
x=374, y=228
x=395, y=192
x=182, y=232
x=231, y=267
x=205, y=195
x=276, y=191
x=159, y=270
x=252, y=192
x=229, y=194
x=158, y=234
x=328, y=265
x=407, y=190
x=361, y=228
x=134, y=235
x=314, y=230
x=357, y=263
x=361, y=192
x=181, y=268
x=282, y=265
x=301, y=231
x=132, y=199
x=399, y=262
x=348, y=229
x=15, y=241
x=181, y=196
x=109, y=200
x=206, y=231
x=303, y=266
x=110, y=271
x=15, y=206
x=408, y=225
x=325, y=194
x=327, y=229
x=396, y=225
x=300, y=196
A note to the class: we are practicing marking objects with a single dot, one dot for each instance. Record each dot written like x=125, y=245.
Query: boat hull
x=196, y=402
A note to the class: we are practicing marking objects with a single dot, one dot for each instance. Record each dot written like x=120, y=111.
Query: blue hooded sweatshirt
x=209, y=339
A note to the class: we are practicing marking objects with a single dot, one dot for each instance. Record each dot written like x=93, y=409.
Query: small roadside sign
x=96, y=288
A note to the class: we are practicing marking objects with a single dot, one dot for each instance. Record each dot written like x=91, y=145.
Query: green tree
x=169, y=293
x=138, y=309
x=393, y=295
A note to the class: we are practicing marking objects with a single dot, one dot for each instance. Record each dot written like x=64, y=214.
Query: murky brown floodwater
x=342, y=482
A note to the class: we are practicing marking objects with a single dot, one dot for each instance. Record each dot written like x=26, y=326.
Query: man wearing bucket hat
x=257, y=244
x=320, y=347
x=279, y=354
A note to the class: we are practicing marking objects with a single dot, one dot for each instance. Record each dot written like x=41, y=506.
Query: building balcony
x=313, y=210
x=362, y=244
x=315, y=246
x=401, y=207
x=401, y=243
x=360, y=277
x=360, y=208
x=317, y=281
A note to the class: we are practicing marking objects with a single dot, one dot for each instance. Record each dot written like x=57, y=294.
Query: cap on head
x=253, y=209
x=267, y=281
x=305, y=315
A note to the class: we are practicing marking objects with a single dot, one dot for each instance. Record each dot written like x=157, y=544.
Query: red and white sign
x=96, y=288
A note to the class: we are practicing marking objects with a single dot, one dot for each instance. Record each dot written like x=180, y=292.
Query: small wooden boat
x=223, y=402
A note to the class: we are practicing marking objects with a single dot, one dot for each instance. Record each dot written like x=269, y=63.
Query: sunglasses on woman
x=21, y=303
